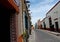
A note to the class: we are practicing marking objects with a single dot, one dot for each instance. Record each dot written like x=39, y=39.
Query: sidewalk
x=32, y=36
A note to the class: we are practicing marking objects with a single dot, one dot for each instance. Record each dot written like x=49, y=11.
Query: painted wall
x=55, y=17
x=46, y=22
x=55, y=13
x=20, y=20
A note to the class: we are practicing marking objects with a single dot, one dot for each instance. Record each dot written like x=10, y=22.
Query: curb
x=54, y=33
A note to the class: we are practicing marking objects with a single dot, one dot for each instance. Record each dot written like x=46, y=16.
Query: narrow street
x=44, y=36
x=30, y=20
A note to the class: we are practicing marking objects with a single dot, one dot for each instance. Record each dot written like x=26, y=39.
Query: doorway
x=56, y=25
x=44, y=25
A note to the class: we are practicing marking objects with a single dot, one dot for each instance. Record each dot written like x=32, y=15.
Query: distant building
x=45, y=23
x=32, y=27
x=39, y=24
x=36, y=26
x=52, y=19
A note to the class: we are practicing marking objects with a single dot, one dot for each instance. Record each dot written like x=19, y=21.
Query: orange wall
x=14, y=5
x=9, y=4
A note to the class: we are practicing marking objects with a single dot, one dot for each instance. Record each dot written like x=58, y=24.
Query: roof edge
x=53, y=7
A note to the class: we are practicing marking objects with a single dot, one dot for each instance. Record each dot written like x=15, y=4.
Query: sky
x=39, y=8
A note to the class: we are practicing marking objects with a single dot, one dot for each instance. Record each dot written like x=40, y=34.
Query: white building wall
x=47, y=22
x=24, y=21
x=59, y=22
x=55, y=13
x=42, y=24
x=59, y=14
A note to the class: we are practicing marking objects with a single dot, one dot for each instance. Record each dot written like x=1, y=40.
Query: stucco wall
x=55, y=13
x=20, y=26
x=47, y=22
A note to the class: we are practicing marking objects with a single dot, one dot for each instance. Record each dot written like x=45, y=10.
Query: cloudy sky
x=39, y=8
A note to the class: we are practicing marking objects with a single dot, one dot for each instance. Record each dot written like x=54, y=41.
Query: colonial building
x=24, y=20
x=52, y=19
x=38, y=24
x=45, y=23
x=9, y=10
x=15, y=11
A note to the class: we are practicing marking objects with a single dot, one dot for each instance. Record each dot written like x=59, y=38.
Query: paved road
x=43, y=36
